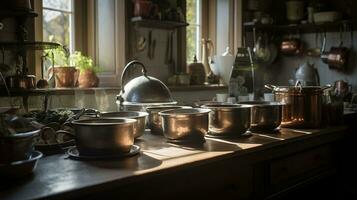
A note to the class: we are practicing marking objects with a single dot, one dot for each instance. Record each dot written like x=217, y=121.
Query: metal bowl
x=185, y=124
x=139, y=116
x=17, y=147
x=154, y=121
x=265, y=115
x=104, y=136
x=226, y=120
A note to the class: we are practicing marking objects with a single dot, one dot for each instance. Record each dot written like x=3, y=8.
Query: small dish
x=22, y=168
x=74, y=154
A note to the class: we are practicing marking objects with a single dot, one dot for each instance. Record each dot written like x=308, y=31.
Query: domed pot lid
x=144, y=89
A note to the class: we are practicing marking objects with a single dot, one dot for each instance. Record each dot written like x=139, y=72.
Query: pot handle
x=269, y=86
x=120, y=96
x=126, y=68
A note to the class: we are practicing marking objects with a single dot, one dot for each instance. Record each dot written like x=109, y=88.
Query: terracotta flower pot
x=65, y=76
x=88, y=79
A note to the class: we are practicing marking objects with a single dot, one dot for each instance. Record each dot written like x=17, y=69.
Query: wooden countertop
x=59, y=177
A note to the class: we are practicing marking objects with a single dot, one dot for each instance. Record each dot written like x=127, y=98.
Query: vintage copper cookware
x=302, y=105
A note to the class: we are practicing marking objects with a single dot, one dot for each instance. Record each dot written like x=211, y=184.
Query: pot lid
x=298, y=89
x=144, y=89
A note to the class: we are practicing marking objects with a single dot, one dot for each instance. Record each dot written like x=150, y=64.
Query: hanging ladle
x=42, y=83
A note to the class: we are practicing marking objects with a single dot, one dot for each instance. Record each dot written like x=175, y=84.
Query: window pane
x=192, y=41
x=193, y=33
x=191, y=6
x=58, y=4
x=57, y=27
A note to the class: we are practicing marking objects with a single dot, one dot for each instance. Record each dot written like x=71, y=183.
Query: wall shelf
x=301, y=28
x=17, y=14
x=159, y=24
x=29, y=45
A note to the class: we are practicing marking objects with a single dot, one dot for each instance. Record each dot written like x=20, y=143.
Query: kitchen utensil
x=327, y=16
x=221, y=65
x=294, y=11
x=17, y=147
x=337, y=57
x=139, y=116
x=291, y=46
x=21, y=168
x=42, y=83
x=4, y=67
x=185, y=124
x=154, y=122
x=228, y=119
x=342, y=88
x=104, y=136
x=307, y=75
x=301, y=105
x=207, y=51
x=75, y=154
x=143, y=90
x=316, y=51
x=19, y=81
x=265, y=115
x=197, y=72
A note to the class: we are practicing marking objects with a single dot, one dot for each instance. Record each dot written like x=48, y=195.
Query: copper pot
x=342, y=88
x=301, y=105
x=291, y=47
x=19, y=81
x=336, y=58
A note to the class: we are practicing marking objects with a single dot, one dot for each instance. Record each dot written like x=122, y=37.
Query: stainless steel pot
x=154, y=122
x=139, y=116
x=185, y=124
x=104, y=136
x=265, y=115
x=228, y=119
x=302, y=105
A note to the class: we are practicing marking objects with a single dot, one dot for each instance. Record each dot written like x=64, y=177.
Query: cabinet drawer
x=291, y=169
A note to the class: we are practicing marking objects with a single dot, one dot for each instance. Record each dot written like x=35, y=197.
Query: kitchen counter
x=163, y=168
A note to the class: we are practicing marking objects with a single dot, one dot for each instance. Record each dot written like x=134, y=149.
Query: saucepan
x=265, y=115
x=104, y=136
x=185, y=124
x=139, y=116
x=232, y=120
x=154, y=122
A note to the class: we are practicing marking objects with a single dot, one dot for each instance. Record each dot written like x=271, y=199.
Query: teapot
x=221, y=65
x=307, y=74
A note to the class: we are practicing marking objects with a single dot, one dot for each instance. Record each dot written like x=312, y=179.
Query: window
x=193, y=31
x=58, y=22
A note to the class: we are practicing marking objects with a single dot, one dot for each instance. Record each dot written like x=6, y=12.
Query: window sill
x=72, y=91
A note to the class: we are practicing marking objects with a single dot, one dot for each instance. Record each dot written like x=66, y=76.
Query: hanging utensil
x=42, y=83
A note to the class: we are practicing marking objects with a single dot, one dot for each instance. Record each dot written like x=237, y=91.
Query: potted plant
x=87, y=70
x=64, y=73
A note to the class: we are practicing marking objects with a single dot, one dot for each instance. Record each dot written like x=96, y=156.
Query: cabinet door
x=294, y=169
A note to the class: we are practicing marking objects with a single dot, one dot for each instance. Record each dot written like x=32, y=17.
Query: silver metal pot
x=302, y=105
x=265, y=115
x=185, y=124
x=143, y=90
x=139, y=116
x=104, y=136
x=154, y=122
x=227, y=120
